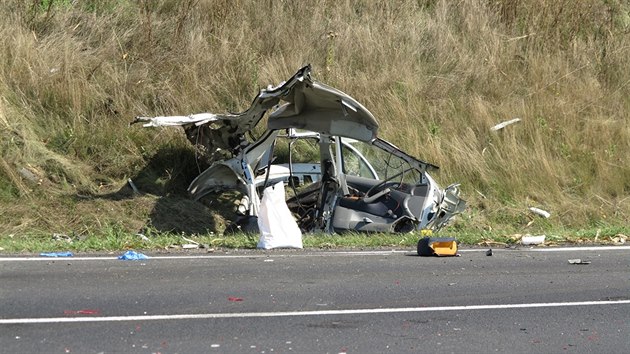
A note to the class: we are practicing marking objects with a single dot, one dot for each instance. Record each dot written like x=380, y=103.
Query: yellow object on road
x=437, y=246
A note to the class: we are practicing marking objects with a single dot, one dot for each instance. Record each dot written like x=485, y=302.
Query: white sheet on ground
x=278, y=228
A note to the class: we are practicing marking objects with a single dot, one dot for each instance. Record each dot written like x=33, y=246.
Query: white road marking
x=305, y=313
x=569, y=249
x=297, y=254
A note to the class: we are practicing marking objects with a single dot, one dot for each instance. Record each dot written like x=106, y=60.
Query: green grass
x=113, y=239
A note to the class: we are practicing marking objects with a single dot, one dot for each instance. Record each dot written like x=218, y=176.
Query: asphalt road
x=515, y=301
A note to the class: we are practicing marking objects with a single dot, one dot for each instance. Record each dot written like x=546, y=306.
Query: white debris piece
x=162, y=121
x=133, y=186
x=619, y=239
x=191, y=245
x=545, y=214
x=505, y=124
x=143, y=237
x=278, y=228
x=578, y=261
x=533, y=240
x=61, y=237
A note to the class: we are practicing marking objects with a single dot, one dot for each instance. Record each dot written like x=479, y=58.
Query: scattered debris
x=143, y=237
x=505, y=124
x=191, y=245
x=132, y=256
x=29, y=175
x=133, y=186
x=619, y=239
x=82, y=312
x=62, y=237
x=56, y=254
x=515, y=239
x=533, y=240
x=437, y=246
x=578, y=261
x=545, y=214
x=489, y=252
x=190, y=241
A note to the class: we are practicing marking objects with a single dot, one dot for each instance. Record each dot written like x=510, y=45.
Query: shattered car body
x=357, y=182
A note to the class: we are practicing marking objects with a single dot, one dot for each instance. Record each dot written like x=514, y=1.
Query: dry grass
x=438, y=74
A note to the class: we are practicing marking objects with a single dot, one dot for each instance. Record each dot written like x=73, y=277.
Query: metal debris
x=579, y=261
x=505, y=124
x=339, y=198
x=143, y=237
x=619, y=239
x=191, y=245
x=133, y=186
x=62, y=237
x=545, y=214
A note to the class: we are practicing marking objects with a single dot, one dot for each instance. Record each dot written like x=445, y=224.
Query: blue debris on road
x=56, y=254
x=132, y=256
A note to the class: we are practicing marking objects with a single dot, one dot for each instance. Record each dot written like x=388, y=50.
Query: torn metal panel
x=319, y=108
x=391, y=148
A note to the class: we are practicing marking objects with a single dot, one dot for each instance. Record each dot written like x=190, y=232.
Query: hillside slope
x=437, y=74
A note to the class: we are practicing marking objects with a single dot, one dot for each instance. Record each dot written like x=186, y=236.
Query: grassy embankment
x=437, y=75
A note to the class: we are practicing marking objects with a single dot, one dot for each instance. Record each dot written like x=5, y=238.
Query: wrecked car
x=353, y=181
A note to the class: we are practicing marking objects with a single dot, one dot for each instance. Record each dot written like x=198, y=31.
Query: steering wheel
x=375, y=189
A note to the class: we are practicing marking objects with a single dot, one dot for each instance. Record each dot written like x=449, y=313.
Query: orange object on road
x=437, y=246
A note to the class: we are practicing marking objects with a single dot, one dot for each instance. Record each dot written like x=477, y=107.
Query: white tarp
x=278, y=228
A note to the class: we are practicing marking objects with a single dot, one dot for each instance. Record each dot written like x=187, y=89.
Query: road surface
x=288, y=301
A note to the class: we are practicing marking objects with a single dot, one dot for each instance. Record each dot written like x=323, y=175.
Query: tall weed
x=437, y=74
